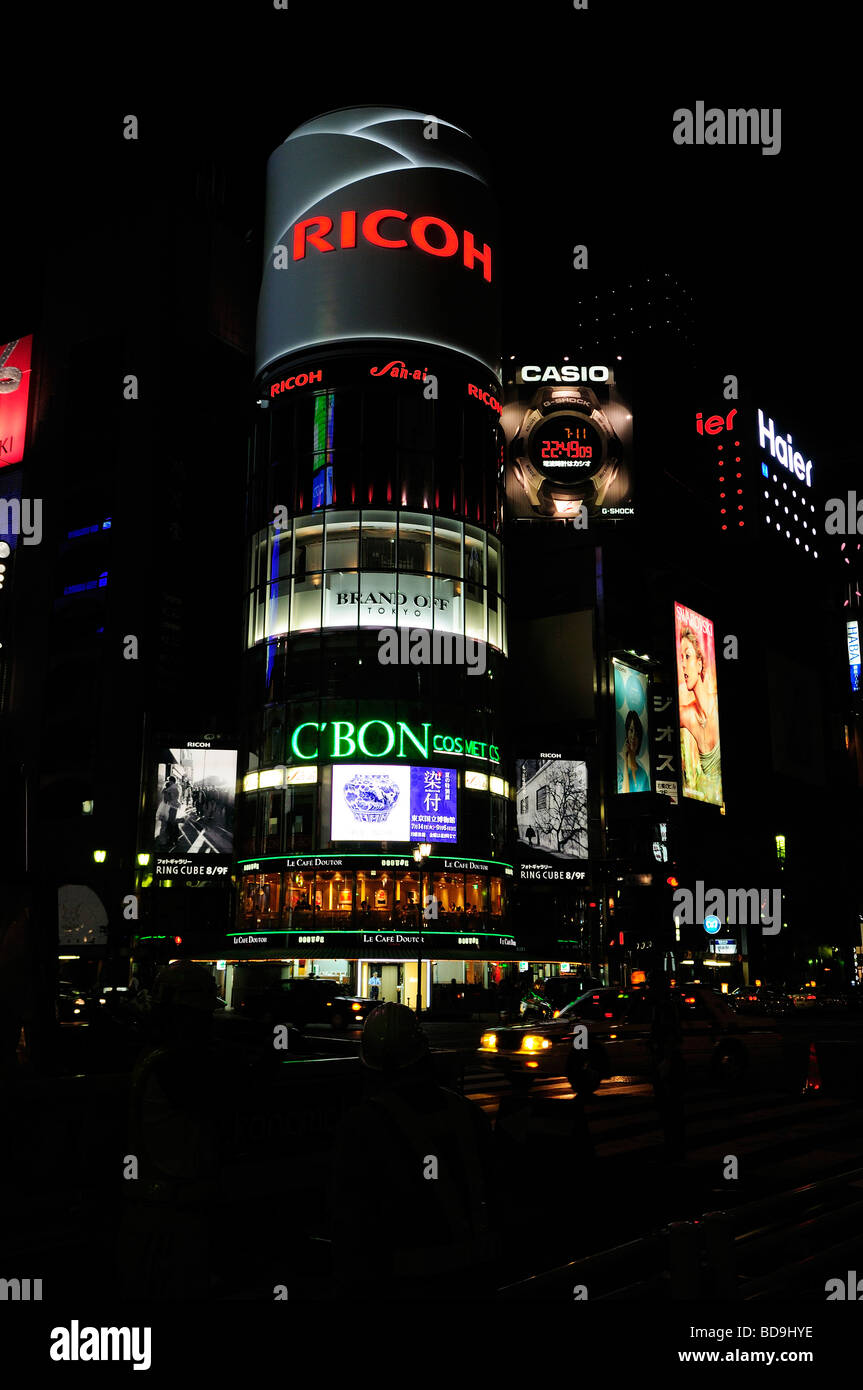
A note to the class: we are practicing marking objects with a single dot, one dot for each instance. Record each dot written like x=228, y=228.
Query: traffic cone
x=813, y=1075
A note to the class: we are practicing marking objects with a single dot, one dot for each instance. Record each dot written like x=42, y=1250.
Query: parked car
x=817, y=997
x=305, y=1001
x=71, y=1004
x=760, y=1000
x=717, y=1044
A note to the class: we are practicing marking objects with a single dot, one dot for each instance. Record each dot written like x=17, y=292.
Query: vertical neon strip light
x=274, y=600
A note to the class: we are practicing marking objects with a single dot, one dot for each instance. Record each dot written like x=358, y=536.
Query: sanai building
x=373, y=789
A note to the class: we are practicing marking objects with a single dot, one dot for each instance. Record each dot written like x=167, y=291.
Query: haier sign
x=782, y=449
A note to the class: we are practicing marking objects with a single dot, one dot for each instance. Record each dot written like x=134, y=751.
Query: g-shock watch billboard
x=565, y=453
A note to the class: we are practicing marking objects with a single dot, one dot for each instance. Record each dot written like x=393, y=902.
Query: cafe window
x=249, y=896
x=449, y=891
x=495, y=896
x=475, y=896
x=298, y=896
x=333, y=893
x=408, y=894
x=374, y=893
x=270, y=895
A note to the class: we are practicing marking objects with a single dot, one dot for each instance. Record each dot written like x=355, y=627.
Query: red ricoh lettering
x=485, y=397
x=390, y=229
x=290, y=383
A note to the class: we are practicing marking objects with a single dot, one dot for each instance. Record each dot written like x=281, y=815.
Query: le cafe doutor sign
x=376, y=738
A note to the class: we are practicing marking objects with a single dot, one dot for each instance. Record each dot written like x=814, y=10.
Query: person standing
x=375, y=986
x=666, y=1048
x=171, y=796
x=412, y=1147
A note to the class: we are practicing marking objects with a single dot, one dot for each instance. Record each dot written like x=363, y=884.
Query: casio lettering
x=527, y=374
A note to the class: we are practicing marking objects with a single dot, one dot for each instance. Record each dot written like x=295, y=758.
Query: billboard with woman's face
x=630, y=716
x=698, y=704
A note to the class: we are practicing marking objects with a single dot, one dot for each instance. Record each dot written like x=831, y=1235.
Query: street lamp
x=421, y=853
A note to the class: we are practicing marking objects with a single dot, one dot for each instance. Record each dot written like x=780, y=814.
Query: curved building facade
x=374, y=810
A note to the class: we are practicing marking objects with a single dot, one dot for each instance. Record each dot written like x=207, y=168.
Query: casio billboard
x=379, y=225
x=565, y=373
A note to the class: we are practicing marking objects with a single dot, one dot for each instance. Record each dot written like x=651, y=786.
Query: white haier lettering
x=784, y=452
x=528, y=374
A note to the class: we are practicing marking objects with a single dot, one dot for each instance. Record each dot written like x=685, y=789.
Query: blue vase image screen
x=371, y=795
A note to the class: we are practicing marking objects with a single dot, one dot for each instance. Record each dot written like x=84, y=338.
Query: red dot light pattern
x=723, y=463
x=804, y=515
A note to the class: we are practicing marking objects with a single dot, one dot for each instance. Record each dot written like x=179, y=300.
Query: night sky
x=575, y=111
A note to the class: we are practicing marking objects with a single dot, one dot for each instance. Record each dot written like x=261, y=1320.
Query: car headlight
x=356, y=1007
x=489, y=1040
x=80, y=1001
x=534, y=1043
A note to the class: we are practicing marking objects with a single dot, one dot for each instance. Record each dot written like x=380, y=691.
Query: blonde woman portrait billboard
x=698, y=705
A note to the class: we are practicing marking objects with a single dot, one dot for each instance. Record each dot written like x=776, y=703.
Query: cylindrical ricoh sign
x=380, y=224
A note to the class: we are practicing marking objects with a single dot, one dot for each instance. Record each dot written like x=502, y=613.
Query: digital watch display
x=565, y=453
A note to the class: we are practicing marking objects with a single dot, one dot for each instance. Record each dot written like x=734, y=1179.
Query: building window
x=375, y=569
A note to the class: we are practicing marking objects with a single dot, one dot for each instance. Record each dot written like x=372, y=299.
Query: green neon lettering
x=360, y=737
x=295, y=739
x=494, y=752
x=339, y=737
x=422, y=747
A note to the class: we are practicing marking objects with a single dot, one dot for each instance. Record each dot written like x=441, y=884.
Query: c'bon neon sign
x=376, y=738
